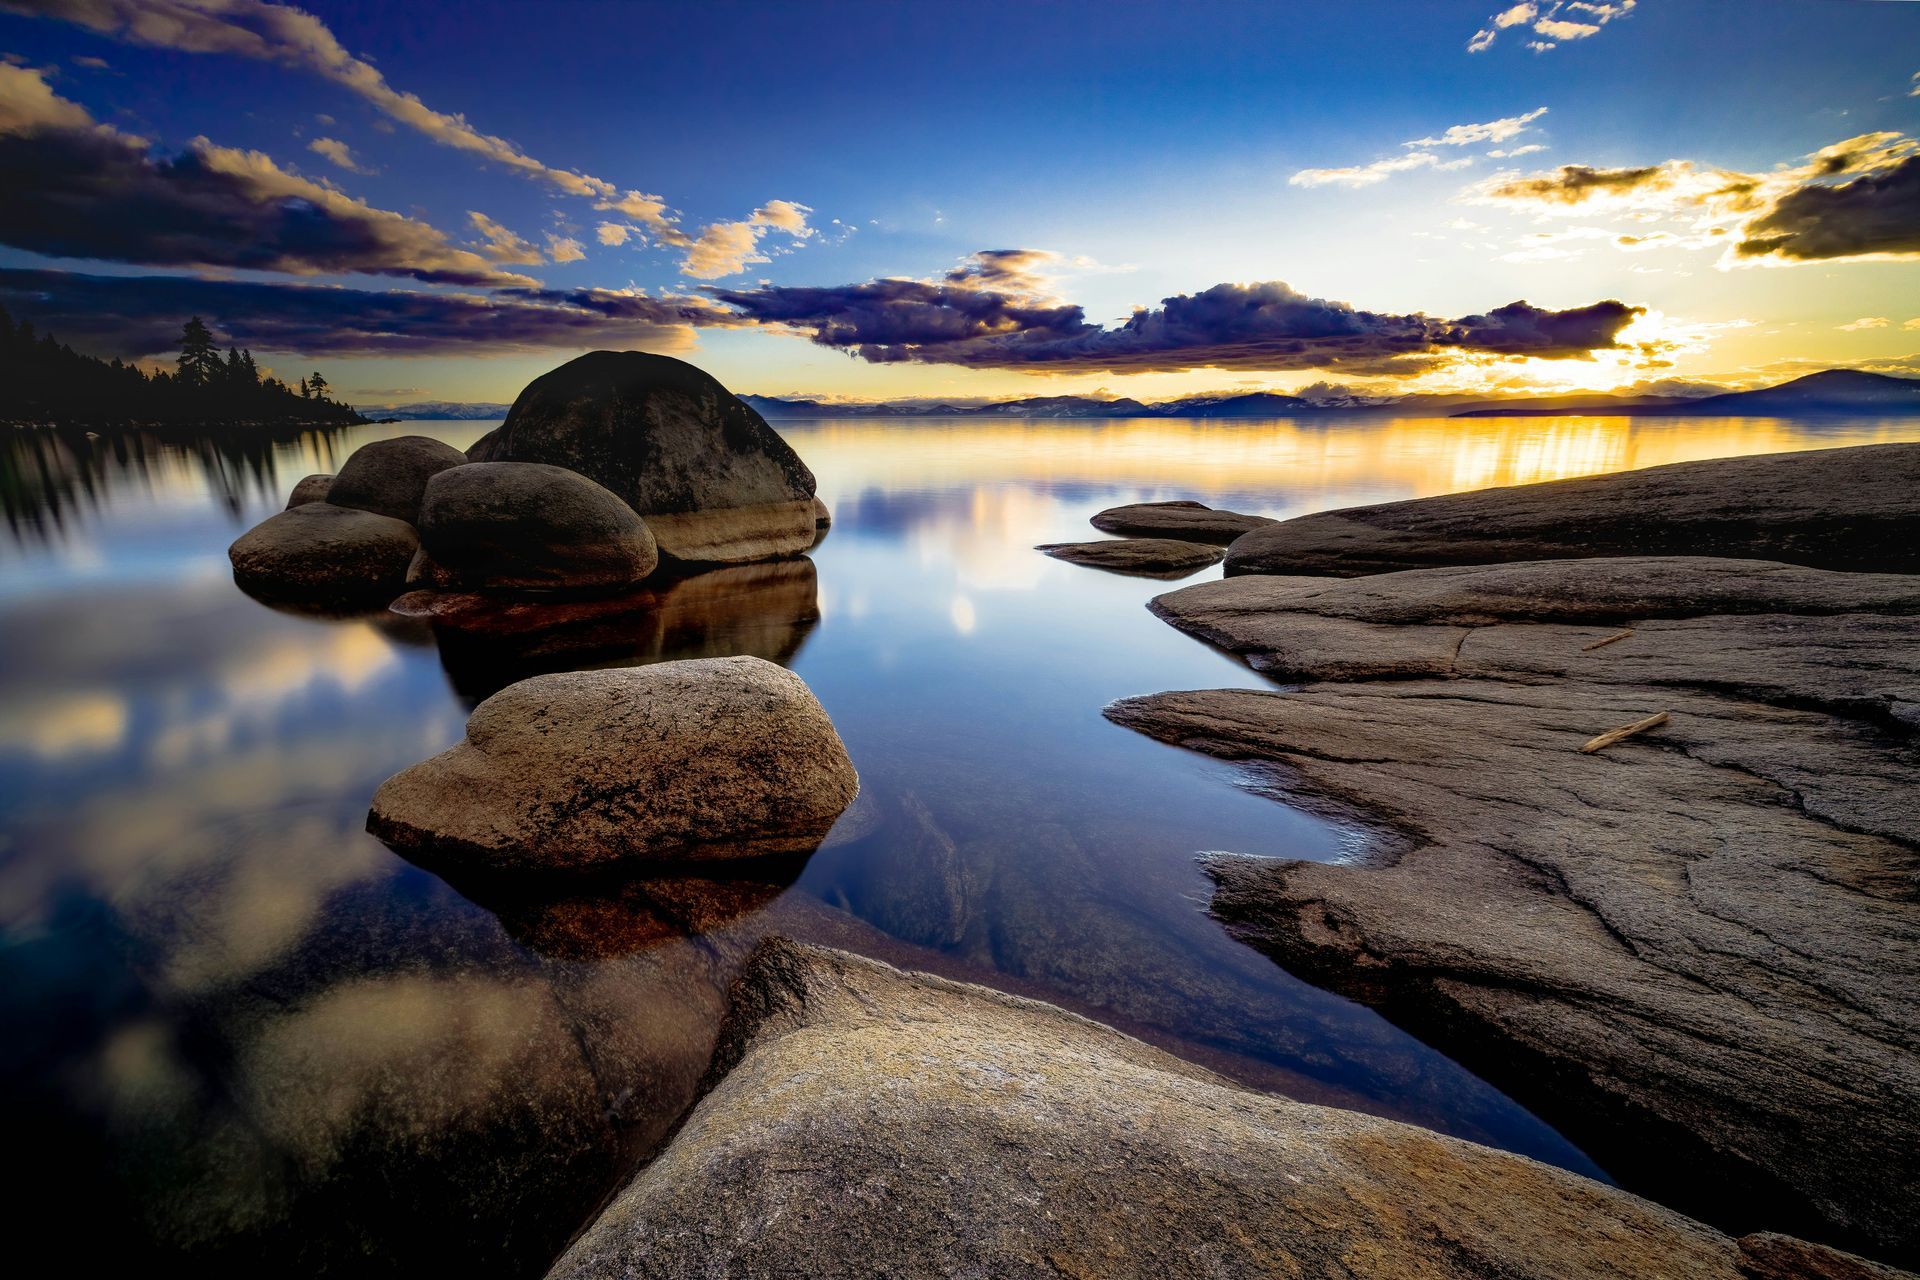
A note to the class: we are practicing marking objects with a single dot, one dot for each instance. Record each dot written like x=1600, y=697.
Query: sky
x=882, y=201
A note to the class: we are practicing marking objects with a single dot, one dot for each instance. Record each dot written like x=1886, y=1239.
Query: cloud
x=1266, y=326
x=564, y=248
x=1500, y=130
x=612, y=233
x=91, y=63
x=503, y=245
x=1577, y=183
x=1366, y=175
x=724, y=248
x=77, y=189
x=336, y=151
x=1912, y=324
x=1875, y=215
x=1583, y=18
x=139, y=316
x=1515, y=152
x=1864, y=322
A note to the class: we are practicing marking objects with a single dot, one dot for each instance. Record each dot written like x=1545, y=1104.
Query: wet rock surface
x=525, y=527
x=1831, y=508
x=1145, y=557
x=389, y=477
x=1702, y=942
x=713, y=481
x=323, y=554
x=866, y=1122
x=1187, y=521
x=701, y=759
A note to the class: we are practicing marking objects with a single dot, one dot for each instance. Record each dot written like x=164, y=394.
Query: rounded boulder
x=713, y=481
x=312, y=488
x=323, y=554
x=389, y=477
x=527, y=527
x=679, y=761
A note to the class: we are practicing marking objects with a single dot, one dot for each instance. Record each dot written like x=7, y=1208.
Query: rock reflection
x=762, y=610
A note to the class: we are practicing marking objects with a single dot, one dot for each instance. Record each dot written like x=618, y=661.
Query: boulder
x=322, y=554
x=1696, y=952
x=389, y=477
x=822, y=516
x=679, y=761
x=310, y=489
x=713, y=481
x=1850, y=509
x=1143, y=557
x=864, y=1122
x=510, y=527
x=1188, y=521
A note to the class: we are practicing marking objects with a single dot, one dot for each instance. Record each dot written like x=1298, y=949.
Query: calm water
x=236, y=1027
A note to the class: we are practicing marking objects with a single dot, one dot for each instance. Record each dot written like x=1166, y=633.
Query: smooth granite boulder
x=1188, y=521
x=510, y=527
x=322, y=554
x=310, y=489
x=389, y=477
x=1143, y=557
x=864, y=1122
x=1851, y=509
x=679, y=761
x=713, y=481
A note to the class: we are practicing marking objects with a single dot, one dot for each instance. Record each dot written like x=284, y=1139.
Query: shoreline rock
x=862, y=1121
x=1141, y=557
x=318, y=553
x=1849, y=509
x=1187, y=521
x=389, y=477
x=525, y=527
x=311, y=488
x=679, y=761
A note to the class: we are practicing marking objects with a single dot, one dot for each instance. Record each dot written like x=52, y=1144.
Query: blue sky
x=1154, y=150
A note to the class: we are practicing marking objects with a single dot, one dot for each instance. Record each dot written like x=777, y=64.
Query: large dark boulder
x=512, y=527
x=713, y=481
x=1830, y=508
x=388, y=477
x=322, y=554
x=313, y=488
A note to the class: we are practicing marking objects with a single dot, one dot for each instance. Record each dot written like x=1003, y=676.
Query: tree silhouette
x=318, y=385
x=199, y=361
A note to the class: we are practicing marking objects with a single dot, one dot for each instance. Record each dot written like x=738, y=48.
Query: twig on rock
x=1612, y=736
x=1604, y=641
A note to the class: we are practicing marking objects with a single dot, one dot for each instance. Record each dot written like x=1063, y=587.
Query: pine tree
x=199, y=361
x=306, y=392
x=318, y=384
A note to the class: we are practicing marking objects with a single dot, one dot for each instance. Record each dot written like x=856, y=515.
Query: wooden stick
x=1607, y=640
x=1612, y=736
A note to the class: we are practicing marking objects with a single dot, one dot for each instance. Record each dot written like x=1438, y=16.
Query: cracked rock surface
x=1697, y=951
x=1849, y=508
x=868, y=1122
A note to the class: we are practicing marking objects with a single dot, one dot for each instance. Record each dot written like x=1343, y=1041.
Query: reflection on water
x=236, y=1024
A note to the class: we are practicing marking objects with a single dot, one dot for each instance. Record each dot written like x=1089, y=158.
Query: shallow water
x=241, y=1027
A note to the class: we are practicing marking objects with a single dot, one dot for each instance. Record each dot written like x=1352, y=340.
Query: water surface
x=241, y=1027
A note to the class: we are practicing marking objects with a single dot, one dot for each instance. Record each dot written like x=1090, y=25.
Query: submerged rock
x=713, y=481
x=1831, y=508
x=1696, y=952
x=710, y=758
x=323, y=554
x=867, y=1122
x=527, y=527
x=1187, y=521
x=310, y=489
x=389, y=477
x=1146, y=557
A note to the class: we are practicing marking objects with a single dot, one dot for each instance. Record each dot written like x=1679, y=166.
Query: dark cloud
x=79, y=189
x=135, y=316
x=1875, y=213
x=1574, y=183
x=1267, y=326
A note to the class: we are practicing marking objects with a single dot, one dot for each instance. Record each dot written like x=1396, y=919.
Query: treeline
x=46, y=383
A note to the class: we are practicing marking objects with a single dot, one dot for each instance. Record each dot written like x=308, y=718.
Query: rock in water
x=867, y=1122
x=525, y=526
x=310, y=489
x=713, y=481
x=1188, y=521
x=388, y=477
x=709, y=758
x=322, y=554
x=1145, y=557
x=1847, y=509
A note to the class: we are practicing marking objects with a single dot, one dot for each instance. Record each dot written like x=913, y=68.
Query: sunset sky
x=981, y=200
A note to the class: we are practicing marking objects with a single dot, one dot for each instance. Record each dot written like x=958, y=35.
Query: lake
x=240, y=1031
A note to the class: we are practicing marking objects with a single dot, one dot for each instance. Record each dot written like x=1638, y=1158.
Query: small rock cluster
x=1158, y=539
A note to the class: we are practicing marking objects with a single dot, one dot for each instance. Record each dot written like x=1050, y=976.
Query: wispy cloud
x=1421, y=154
x=336, y=152
x=725, y=248
x=501, y=244
x=80, y=189
x=564, y=248
x=1863, y=323
x=1552, y=24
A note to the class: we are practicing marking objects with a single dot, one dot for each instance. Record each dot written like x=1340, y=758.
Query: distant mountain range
x=1833, y=391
